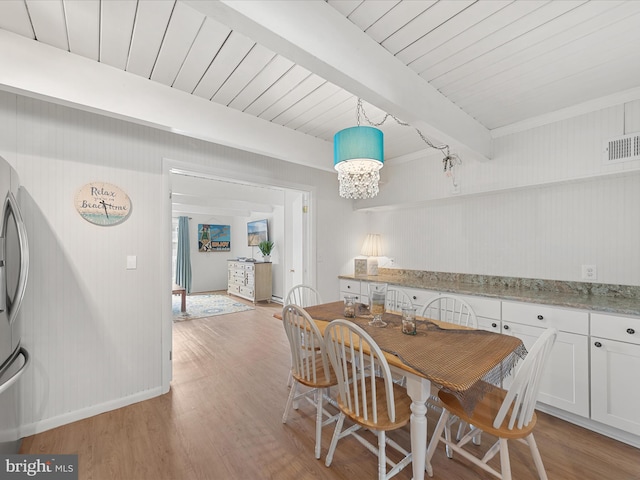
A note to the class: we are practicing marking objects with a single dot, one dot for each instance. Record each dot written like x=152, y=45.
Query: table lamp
x=372, y=249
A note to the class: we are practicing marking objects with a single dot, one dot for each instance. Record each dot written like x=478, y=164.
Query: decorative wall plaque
x=103, y=204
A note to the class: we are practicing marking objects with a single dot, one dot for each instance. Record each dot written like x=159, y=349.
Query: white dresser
x=250, y=280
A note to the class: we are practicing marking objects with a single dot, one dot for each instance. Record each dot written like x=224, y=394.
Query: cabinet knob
x=598, y=344
x=415, y=298
x=540, y=317
x=348, y=286
x=630, y=331
x=494, y=324
x=506, y=327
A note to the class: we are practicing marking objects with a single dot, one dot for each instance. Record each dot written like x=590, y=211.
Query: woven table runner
x=462, y=361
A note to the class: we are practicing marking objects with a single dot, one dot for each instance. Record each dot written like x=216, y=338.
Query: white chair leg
x=447, y=436
x=319, y=402
x=292, y=394
x=505, y=464
x=435, y=439
x=290, y=379
x=382, y=456
x=334, y=440
x=537, y=459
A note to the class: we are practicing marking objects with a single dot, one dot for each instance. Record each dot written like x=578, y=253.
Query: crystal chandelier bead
x=359, y=178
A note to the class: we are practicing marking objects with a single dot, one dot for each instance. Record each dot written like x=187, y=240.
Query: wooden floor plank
x=222, y=419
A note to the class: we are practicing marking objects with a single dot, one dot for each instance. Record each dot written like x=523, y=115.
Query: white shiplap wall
x=542, y=232
x=545, y=205
x=93, y=328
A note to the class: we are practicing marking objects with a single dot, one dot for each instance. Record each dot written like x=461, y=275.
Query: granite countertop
x=597, y=297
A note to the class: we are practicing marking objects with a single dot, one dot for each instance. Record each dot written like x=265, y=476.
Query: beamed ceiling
x=282, y=77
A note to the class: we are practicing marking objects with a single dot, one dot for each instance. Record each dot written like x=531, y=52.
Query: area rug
x=199, y=306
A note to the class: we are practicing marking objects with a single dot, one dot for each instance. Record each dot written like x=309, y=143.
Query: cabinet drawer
x=233, y=288
x=573, y=321
x=249, y=267
x=248, y=291
x=350, y=286
x=490, y=324
x=615, y=327
x=419, y=297
x=483, y=307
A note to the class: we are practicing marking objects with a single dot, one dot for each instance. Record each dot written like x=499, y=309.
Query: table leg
x=183, y=306
x=418, y=389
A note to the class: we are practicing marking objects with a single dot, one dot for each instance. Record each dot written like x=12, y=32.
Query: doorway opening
x=213, y=197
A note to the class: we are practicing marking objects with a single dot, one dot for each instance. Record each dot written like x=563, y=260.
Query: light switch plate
x=132, y=262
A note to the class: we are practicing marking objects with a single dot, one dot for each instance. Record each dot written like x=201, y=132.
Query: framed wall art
x=214, y=238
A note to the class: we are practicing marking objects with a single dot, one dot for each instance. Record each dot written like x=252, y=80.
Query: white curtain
x=183, y=260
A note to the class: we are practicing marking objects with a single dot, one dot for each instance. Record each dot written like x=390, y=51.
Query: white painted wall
x=94, y=329
x=570, y=209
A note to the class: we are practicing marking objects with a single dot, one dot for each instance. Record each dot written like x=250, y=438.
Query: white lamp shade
x=372, y=246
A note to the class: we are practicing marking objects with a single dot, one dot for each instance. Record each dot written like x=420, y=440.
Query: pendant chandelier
x=358, y=156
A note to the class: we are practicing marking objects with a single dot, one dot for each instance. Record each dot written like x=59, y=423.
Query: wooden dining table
x=463, y=361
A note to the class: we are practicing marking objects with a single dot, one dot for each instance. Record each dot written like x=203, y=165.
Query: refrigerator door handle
x=16, y=376
x=11, y=207
x=3, y=278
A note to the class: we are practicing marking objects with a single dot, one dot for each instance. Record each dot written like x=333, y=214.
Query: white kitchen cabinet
x=615, y=363
x=419, y=297
x=249, y=280
x=565, y=383
x=488, y=311
x=352, y=287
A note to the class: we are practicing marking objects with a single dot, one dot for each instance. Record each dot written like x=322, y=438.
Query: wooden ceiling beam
x=317, y=37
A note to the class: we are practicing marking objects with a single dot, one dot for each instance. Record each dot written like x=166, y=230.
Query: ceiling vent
x=622, y=149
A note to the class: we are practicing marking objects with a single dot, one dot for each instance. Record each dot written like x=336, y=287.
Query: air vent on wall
x=622, y=149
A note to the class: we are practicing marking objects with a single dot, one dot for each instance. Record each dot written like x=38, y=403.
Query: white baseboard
x=607, y=431
x=58, y=421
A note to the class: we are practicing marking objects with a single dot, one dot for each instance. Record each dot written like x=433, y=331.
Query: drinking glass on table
x=377, y=298
x=408, y=320
x=349, y=306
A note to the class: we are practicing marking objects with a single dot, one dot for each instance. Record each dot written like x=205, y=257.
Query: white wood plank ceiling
x=499, y=62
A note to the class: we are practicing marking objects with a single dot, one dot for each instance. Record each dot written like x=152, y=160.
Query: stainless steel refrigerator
x=14, y=266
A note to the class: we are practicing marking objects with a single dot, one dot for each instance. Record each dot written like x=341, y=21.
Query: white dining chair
x=450, y=309
x=456, y=310
x=506, y=414
x=397, y=299
x=303, y=296
x=367, y=395
x=310, y=367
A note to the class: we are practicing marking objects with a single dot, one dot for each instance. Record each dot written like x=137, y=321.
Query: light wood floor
x=222, y=420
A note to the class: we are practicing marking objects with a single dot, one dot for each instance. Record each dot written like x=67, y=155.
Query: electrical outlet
x=589, y=272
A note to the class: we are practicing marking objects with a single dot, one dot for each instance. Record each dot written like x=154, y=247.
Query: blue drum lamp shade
x=358, y=155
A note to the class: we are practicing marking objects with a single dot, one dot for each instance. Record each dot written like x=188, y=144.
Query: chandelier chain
x=449, y=161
